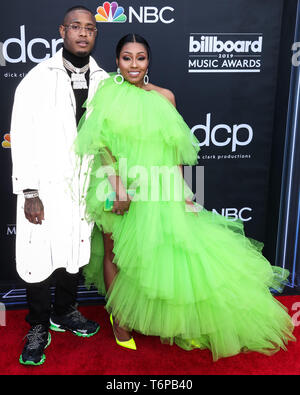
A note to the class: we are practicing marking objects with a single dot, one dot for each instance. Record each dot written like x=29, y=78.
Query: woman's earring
x=146, y=78
x=118, y=78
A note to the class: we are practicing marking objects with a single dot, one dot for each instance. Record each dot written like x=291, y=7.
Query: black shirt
x=81, y=95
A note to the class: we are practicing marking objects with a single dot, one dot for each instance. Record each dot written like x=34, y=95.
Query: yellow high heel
x=127, y=343
x=194, y=344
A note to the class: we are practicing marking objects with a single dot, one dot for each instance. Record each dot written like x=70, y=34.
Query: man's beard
x=82, y=54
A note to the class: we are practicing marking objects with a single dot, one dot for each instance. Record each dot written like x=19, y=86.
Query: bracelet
x=31, y=195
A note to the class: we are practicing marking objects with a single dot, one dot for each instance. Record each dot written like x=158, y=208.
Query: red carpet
x=71, y=355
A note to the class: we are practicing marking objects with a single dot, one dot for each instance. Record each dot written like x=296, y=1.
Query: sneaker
x=74, y=322
x=38, y=338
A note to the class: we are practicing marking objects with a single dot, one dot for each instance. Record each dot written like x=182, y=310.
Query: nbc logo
x=6, y=141
x=110, y=12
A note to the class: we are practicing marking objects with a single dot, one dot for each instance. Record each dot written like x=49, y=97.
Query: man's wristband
x=31, y=194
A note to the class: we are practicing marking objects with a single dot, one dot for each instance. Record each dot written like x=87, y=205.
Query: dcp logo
x=222, y=135
x=27, y=49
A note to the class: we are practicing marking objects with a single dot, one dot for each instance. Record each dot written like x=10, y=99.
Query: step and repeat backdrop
x=219, y=58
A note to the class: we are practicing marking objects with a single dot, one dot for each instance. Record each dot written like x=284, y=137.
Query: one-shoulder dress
x=191, y=277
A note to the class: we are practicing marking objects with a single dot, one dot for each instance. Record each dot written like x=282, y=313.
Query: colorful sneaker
x=38, y=338
x=74, y=322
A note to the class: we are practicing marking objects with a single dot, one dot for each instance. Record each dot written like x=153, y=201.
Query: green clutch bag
x=109, y=202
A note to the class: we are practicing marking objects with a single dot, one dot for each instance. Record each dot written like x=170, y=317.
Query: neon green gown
x=191, y=278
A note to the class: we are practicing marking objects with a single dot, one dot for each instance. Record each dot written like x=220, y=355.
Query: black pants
x=39, y=296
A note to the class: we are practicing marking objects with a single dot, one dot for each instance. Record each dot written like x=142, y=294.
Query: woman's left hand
x=121, y=205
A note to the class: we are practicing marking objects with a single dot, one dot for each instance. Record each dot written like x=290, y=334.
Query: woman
x=188, y=276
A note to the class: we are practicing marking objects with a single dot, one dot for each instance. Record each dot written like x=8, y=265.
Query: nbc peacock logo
x=6, y=141
x=110, y=12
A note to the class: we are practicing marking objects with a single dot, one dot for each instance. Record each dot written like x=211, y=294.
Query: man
x=53, y=237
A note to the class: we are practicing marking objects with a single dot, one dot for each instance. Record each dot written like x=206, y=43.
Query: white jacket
x=43, y=131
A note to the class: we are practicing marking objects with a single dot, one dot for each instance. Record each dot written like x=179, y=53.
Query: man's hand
x=34, y=210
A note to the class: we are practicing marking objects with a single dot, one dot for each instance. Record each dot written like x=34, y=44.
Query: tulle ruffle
x=192, y=278
x=124, y=115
